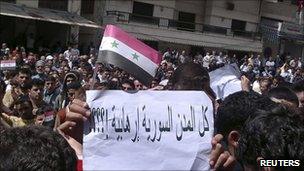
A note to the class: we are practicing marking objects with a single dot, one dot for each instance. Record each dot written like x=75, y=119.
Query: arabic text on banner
x=148, y=130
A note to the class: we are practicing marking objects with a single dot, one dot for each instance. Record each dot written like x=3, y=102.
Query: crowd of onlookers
x=42, y=86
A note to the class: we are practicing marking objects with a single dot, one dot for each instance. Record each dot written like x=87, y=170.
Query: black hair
x=37, y=82
x=23, y=99
x=25, y=71
x=114, y=85
x=284, y=93
x=87, y=66
x=236, y=108
x=298, y=86
x=127, y=81
x=26, y=86
x=74, y=85
x=35, y=148
x=190, y=76
x=274, y=134
x=50, y=78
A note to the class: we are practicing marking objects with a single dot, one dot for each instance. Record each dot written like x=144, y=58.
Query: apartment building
x=189, y=24
x=234, y=26
x=47, y=23
x=281, y=27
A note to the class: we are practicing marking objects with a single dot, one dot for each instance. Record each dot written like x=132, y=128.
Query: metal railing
x=181, y=25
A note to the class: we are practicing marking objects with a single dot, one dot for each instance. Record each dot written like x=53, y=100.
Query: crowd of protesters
x=44, y=85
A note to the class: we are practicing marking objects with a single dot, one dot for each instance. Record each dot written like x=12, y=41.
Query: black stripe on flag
x=110, y=57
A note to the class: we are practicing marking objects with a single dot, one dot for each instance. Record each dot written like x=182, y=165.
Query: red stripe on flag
x=117, y=33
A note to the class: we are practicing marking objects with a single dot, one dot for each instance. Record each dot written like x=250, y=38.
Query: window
x=87, y=6
x=152, y=44
x=186, y=21
x=54, y=4
x=143, y=12
x=238, y=25
x=143, y=9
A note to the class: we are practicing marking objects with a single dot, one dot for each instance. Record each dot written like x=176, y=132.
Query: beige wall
x=29, y=3
x=281, y=11
x=74, y=6
x=192, y=6
x=119, y=5
x=245, y=10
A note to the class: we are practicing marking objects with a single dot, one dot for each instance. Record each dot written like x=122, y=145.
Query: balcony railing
x=181, y=25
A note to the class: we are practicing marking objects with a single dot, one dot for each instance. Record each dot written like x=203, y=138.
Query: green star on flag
x=135, y=56
x=114, y=44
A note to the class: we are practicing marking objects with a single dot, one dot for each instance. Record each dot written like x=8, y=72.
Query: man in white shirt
x=295, y=63
x=67, y=53
x=270, y=64
x=207, y=60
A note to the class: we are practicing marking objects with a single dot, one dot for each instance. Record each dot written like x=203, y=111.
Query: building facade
x=189, y=25
x=49, y=23
x=263, y=26
x=282, y=27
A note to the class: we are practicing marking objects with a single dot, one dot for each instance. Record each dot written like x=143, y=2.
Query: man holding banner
x=121, y=50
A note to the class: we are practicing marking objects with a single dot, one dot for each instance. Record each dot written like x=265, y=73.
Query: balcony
x=180, y=25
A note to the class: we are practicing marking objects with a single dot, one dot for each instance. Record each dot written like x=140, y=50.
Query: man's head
x=154, y=83
x=298, y=88
x=127, y=85
x=35, y=148
x=4, y=45
x=72, y=90
x=283, y=96
x=190, y=76
x=265, y=85
x=24, y=75
x=50, y=84
x=234, y=111
x=36, y=91
x=169, y=73
x=40, y=66
x=23, y=107
x=47, y=69
x=71, y=77
x=274, y=135
x=138, y=85
x=106, y=74
x=87, y=70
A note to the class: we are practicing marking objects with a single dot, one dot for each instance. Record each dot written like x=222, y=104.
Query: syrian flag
x=126, y=52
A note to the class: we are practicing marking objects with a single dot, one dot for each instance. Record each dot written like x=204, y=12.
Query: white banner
x=225, y=80
x=7, y=64
x=148, y=130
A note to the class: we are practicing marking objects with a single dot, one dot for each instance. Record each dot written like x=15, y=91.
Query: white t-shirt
x=67, y=54
x=74, y=54
x=270, y=63
x=207, y=61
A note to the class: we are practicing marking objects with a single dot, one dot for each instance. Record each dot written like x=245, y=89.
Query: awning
x=239, y=47
x=42, y=14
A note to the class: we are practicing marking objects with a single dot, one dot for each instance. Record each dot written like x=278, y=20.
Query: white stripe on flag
x=127, y=52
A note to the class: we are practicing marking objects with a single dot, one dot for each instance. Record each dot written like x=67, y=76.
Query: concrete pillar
x=74, y=7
